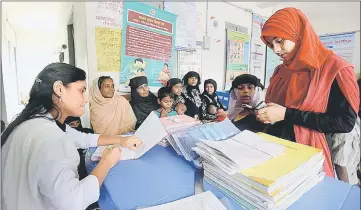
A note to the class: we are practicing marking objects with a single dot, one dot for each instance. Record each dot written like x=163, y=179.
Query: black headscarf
x=210, y=81
x=246, y=79
x=142, y=106
x=172, y=82
x=190, y=74
x=80, y=128
x=212, y=97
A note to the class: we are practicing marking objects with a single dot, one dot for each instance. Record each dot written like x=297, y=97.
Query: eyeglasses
x=143, y=87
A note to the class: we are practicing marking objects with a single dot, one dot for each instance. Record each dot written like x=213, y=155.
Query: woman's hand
x=130, y=142
x=271, y=114
x=111, y=155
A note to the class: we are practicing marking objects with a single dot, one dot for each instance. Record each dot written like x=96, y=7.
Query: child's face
x=177, y=89
x=166, y=102
x=192, y=81
x=212, y=109
x=180, y=109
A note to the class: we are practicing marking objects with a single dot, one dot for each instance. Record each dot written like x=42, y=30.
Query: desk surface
x=158, y=177
x=330, y=194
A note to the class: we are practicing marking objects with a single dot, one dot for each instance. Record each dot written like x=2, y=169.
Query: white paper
x=150, y=132
x=202, y=201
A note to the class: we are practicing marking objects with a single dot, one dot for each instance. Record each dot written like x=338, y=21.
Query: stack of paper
x=202, y=201
x=184, y=141
x=261, y=171
x=176, y=124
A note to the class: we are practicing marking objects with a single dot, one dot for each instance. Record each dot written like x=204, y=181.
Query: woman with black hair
x=39, y=151
x=192, y=95
x=143, y=101
x=210, y=99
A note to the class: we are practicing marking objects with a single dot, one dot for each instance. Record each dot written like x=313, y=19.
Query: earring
x=60, y=99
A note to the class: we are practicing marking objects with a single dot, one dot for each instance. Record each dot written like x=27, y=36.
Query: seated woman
x=246, y=96
x=175, y=86
x=110, y=114
x=192, y=95
x=165, y=100
x=143, y=101
x=210, y=101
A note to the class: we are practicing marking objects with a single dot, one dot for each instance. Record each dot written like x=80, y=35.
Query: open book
x=150, y=132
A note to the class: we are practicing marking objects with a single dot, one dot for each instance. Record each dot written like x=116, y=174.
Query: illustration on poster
x=164, y=75
x=133, y=69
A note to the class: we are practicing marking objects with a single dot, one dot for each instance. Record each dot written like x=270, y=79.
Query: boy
x=165, y=100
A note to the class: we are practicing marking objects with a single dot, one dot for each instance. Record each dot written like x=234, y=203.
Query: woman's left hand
x=271, y=114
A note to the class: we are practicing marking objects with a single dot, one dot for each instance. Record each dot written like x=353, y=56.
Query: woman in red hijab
x=314, y=92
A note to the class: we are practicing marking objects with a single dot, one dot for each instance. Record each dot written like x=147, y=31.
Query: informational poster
x=272, y=61
x=108, y=34
x=190, y=61
x=186, y=36
x=341, y=44
x=237, y=55
x=258, y=49
x=148, y=39
x=108, y=46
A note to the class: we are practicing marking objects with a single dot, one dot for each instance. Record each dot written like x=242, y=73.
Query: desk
x=160, y=176
x=330, y=194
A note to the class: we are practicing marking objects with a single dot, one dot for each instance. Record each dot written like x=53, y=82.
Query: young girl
x=165, y=100
x=210, y=101
x=39, y=152
x=175, y=86
x=193, y=100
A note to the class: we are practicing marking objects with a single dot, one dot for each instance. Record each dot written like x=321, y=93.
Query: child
x=180, y=108
x=211, y=106
x=165, y=100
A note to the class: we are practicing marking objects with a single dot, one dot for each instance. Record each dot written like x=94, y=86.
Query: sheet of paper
x=202, y=201
x=255, y=141
x=150, y=132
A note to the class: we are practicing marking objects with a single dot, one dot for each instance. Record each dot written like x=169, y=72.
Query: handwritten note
x=108, y=42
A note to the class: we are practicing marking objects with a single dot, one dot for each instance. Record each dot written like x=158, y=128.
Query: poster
x=237, y=55
x=108, y=36
x=186, y=12
x=272, y=61
x=258, y=49
x=341, y=44
x=190, y=61
x=108, y=45
x=148, y=39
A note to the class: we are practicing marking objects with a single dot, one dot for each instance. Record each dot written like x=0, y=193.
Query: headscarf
x=235, y=104
x=211, y=97
x=142, y=106
x=177, y=99
x=192, y=92
x=110, y=116
x=304, y=82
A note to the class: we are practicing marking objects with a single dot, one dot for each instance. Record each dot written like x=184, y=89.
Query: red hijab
x=304, y=82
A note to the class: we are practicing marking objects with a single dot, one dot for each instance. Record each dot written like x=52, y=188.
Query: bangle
x=110, y=147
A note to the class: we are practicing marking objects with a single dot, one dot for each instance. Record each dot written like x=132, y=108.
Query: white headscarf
x=235, y=104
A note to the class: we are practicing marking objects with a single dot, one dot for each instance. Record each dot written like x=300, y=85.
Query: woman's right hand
x=111, y=155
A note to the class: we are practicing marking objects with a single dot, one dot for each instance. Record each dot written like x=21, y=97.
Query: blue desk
x=330, y=194
x=160, y=176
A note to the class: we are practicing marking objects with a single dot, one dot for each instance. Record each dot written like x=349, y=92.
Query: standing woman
x=39, y=152
x=193, y=100
x=314, y=92
x=143, y=101
x=110, y=113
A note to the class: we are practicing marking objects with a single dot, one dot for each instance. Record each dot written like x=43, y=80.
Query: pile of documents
x=184, y=140
x=175, y=124
x=260, y=171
